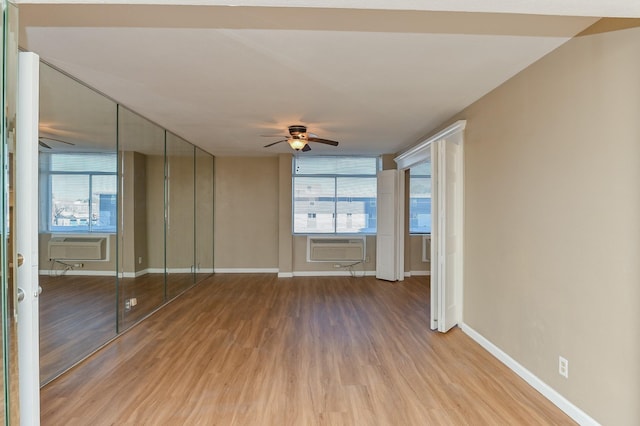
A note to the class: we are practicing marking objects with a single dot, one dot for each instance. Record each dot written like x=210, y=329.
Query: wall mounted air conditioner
x=335, y=249
x=78, y=248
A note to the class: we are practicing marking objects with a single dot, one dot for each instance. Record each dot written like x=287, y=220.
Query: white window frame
x=335, y=200
x=46, y=199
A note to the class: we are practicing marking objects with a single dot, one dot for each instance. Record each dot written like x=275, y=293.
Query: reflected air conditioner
x=78, y=248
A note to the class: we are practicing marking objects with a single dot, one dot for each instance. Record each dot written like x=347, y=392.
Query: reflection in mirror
x=78, y=221
x=141, y=216
x=420, y=198
x=204, y=214
x=5, y=243
x=179, y=231
x=11, y=79
x=9, y=410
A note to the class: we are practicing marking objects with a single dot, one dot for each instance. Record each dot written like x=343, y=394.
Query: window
x=420, y=199
x=78, y=192
x=334, y=195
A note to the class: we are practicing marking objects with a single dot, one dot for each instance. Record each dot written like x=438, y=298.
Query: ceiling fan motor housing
x=298, y=131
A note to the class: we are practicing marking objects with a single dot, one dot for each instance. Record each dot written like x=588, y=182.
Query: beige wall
x=204, y=211
x=246, y=212
x=253, y=218
x=414, y=255
x=552, y=221
x=134, y=204
x=154, y=168
x=139, y=215
x=180, y=240
x=285, y=221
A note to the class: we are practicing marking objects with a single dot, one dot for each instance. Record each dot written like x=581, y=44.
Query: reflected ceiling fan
x=299, y=139
x=42, y=143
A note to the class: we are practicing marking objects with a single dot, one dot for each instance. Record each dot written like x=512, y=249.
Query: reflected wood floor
x=77, y=315
x=78, y=312
x=258, y=350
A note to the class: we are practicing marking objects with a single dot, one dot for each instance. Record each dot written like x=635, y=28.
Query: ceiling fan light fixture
x=297, y=144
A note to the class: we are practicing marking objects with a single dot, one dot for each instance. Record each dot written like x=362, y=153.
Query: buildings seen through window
x=79, y=191
x=420, y=199
x=335, y=195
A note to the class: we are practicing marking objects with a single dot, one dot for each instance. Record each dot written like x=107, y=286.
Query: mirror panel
x=204, y=214
x=179, y=231
x=12, y=397
x=141, y=217
x=9, y=410
x=118, y=219
x=78, y=221
x=6, y=246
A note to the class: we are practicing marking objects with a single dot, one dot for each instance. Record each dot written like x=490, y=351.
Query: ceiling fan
x=43, y=144
x=298, y=139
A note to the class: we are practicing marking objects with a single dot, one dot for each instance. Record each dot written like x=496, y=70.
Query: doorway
x=445, y=152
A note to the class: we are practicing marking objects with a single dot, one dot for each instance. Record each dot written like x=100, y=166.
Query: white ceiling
x=376, y=80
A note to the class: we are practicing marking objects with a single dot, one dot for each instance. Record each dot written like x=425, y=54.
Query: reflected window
x=335, y=195
x=420, y=199
x=79, y=192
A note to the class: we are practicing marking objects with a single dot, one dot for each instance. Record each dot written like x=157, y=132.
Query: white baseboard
x=547, y=391
x=179, y=271
x=136, y=274
x=77, y=272
x=246, y=270
x=417, y=273
x=161, y=271
x=85, y=272
x=341, y=273
x=345, y=273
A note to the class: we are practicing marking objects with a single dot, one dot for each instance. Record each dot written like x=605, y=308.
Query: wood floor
x=78, y=312
x=258, y=350
x=77, y=315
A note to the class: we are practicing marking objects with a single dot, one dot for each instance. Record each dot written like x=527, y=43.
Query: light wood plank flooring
x=78, y=312
x=258, y=350
x=77, y=315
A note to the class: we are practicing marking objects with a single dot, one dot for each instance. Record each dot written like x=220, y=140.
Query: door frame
x=26, y=240
x=419, y=153
x=387, y=267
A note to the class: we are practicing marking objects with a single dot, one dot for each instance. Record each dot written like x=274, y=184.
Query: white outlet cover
x=563, y=367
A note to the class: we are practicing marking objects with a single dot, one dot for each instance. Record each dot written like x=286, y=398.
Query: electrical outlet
x=337, y=265
x=563, y=367
x=127, y=305
x=78, y=265
x=140, y=260
x=367, y=259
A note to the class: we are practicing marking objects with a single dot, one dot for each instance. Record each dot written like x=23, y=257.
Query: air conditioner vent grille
x=78, y=248
x=333, y=249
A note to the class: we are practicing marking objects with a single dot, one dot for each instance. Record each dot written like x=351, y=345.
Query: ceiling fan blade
x=306, y=148
x=55, y=140
x=271, y=144
x=44, y=145
x=325, y=141
x=274, y=136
